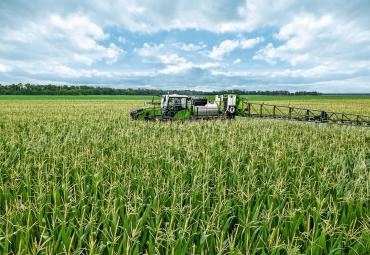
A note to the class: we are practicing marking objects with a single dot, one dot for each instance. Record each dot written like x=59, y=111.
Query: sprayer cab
x=172, y=104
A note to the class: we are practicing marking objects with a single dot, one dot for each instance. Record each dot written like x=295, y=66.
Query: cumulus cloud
x=149, y=50
x=80, y=27
x=172, y=63
x=186, y=66
x=325, y=51
x=224, y=48
x=320, y=45
x=227, y=46
x=4, y=69
x=57, y=41
x=154, y=52
x=151, y=16
x=171, y=59
x=299, y=35
x=158, y=53
x=112, y=53
x=68, y=72
x=191, y=46
x=80, y=32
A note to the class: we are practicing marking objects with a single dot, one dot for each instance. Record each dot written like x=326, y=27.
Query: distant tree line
x=31, y=89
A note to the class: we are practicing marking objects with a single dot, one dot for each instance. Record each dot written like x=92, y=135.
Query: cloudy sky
x=204, y=44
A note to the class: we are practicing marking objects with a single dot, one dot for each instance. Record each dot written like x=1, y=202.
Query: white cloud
x=58, y=70
x=250, y=43
x=191, y=46
x=112, y=53
x=166, y=53
x=317, y=41
x=163, y=54
x=237, y=61
x=224, y=48
x=4, y=69
x=176, y=69
x=149, y=50
x=171, y=59
x=269, y=54
x=152, y=15
x=72, y=39
x=83, y=33
x=186, y=66
x=160, y=54
x=315, y=72
x=75, y=73
x=324, y=70
x=220, y=16
x=358, y=85
x=79, y=27
x=227, y=46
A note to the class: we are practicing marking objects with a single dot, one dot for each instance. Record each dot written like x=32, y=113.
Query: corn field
x=79, y=177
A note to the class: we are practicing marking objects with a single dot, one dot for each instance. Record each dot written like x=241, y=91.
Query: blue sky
x=204, y=45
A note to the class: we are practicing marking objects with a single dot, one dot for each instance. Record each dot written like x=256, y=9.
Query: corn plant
x=81, y=177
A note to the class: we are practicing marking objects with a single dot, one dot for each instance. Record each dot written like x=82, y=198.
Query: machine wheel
x=231, y=109
x=135, y=113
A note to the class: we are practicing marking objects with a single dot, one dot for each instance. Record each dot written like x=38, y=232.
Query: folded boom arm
x=262, y=110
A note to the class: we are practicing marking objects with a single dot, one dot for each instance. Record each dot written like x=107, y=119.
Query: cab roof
x=176, y=95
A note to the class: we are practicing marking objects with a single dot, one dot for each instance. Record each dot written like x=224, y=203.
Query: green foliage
x=183, y=115
x=148, y=112
x=75, y=97
x=81, y=177
x=31, y=89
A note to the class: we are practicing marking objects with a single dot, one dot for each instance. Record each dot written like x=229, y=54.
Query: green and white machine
x=183, y=107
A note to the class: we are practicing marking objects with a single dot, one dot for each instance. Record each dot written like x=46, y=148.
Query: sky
x=205, y=45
